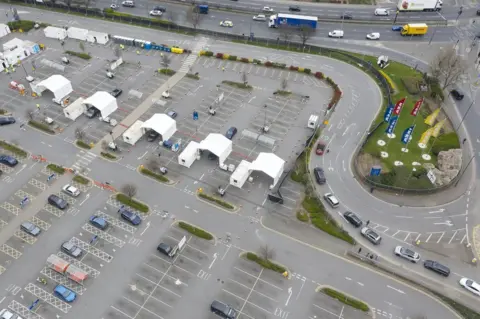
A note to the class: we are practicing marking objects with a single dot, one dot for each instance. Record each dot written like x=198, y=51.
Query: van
x=319, y=175
x=336, y=34
x=381, y=12
x=223, y=310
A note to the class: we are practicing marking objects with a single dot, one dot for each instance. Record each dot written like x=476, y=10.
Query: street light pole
x=463, y=172
x=459, y=12
x=431, y=38
x=396, y=15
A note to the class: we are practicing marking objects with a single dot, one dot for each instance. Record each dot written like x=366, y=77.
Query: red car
x=320, y=148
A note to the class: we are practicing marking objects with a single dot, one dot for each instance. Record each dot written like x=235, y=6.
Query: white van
x=336, y=34
x=381, y=12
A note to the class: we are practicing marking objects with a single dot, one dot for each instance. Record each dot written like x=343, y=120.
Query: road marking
x=454, y=234
x=437, y=211
x=440, y=238
x=396, y=289
x=214, y=258
x=290, y=291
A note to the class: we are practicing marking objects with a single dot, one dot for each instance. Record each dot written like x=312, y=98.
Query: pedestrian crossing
x=84, y=159
x=190, y=60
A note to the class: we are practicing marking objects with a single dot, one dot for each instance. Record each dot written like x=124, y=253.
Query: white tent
x=189, y=154
x=31, y=47
x=4, y=30
x=13, y=44
x=15, y=55
x=97, y=37
x=270, y=164
x=133, y=133
x=57, y=84
x=218, y=145
x=74, y=110
x=55, y=33
x=162, y=124
x=102, y=101
x=241, y=174
x=77, y=33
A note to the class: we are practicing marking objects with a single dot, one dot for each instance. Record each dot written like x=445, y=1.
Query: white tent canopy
x=97, y=37
x=270, y=164
x=77, y=33
x=57, y=84
x=104, y=102
x=241, y=174
x=218, y=145
x=162, y=124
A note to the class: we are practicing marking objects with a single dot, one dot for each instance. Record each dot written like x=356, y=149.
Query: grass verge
x=56, y=168
x=41, y=126
x=216, y=201
x=3, y=112
x=282, y=93
x=238, y=85
x=157, y=177
x=81, y=55
x=81, y=180
x=169, y=72
x=14, y=149
x=195, y=231
x=302, y=216
x=357, y=304
x=83, y=144
x=124, y=199
x=108, y=156
x=193, y=76
x=265, y=263
x=24, y=25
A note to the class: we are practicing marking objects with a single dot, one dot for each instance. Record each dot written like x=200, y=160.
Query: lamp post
x=463, y=172
x=431, y=38
x=396, y=15
x=459, y=12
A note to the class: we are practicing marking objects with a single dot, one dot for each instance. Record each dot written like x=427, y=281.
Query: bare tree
x=244, y=78
x=152, y=164
x=130, y=190
x=81, y=46
x=104, y=145
x=448, y=68
x=80, y=134
x=87, y=5
x=267, y=252
x=117, y=51
x=286, y=33
x=68, y=3
x=29, y=114
x=194, y=17
x=284, y=84
x=304, y=32
x=171, y=17
x=165, y=61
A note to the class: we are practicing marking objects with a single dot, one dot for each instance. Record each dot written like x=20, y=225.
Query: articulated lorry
x=419, y=5
x=292, y=20
x=414, y=29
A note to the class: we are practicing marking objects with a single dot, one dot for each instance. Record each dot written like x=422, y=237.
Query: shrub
x=268, y=63
x=282, y=92
x=226, y=56
x=232, y=57
x=81, y=180
x=219, y=55
x=265, y=263
x=319, y=75
x=357, y=304
x=41, y=126
x=2, y=111
x=293, y=68
x=244, y=60
x=216, y=201
x=391, y=84
x=208, y=53
x=193, y=76
x=238, y=85
x=155, y=176
x=81, y=55
x=279, y=65
x=56, y=168
x=302, y=216
x=331, y=82
x=24, y=25
x=337, y=94
x=14, y=149
x=301, y=70
x=195, y=231
x=411, y=85
x=307, y=71
x=256, y=61
x=445, y=142
x=82, y=144
x=108, y=155
x=168, y=72
x=124, y=199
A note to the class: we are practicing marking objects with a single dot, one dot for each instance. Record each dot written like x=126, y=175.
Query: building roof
x=103, y=101
x=269, y=163
x=55, y=83
x=162, y=124
x=216, y=143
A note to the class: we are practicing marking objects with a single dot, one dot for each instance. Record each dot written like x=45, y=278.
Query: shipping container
x=292, y=20
x=419, y=5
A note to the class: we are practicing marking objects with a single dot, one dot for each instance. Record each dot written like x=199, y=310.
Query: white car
x=470, y=285
x=226, y=23
x=71, y=190
x=336, y=34
x=156, y=13
x=331, y=200
x=381, y=12
x=373, y=36
x=114, y=6
x=6, y=314
x=267, y=9
x=260, y=17
x=406, y=253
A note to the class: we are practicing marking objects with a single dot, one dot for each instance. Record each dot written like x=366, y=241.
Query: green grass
x=193, y=76
x=195, y=231
x=3, y=112
x=357, y=304
x=216, y=201
x=81, y=55
x=25, y=25
x=238, y=85
x=302, y=216
x=299, y=174
x=83, y=144
x=265, y=263
x=153, y=175
x=124, y=199
x=282, y=92
x=41, y=126
x=56, y=168
x=81, y=180
x=108, y=156
x=168, y=72
x=14, y=149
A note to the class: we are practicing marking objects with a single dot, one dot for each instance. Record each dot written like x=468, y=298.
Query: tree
x=30, y=114
x=244, y=78
x=117, y=51
x=284, y=84
x=194, y=17
x=80, y=134
x=130, y=190
x=81, y=46
x=286, y=33
x=68, y=3
x=304, y=32
x=165, y=61
x=104, y=145
x=448, y=68
x=152, y=164
x=267, y=252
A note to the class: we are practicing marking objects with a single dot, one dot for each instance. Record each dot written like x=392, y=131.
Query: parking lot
x=325, y=307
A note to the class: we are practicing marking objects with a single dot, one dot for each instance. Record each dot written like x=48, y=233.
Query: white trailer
x=419, y=5
x=189, y=154
x=74, y=110
x=77, y=33
x=55, y=33
x=133, y=133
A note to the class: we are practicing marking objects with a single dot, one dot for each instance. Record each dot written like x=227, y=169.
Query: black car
x=294, y=8
x=223, y=310
x=353, y=219
x=116, y=92
x=159, y=8
x=165, y=249
x=478, y=12
x=152, y=135
x=457, y=95
x=5, y=120
x=8, y=160
x=129, y=216
x=231, y=132
x=92, y=112
x=346, y=16
x=437, y=267
x=319, y=175
x=58, y=202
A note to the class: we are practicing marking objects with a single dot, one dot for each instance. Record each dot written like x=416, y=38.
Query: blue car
x=129, y=216
x=397, y=28
x=8, y=160
x=167, y=144
x=64, y=293
x=98, y=222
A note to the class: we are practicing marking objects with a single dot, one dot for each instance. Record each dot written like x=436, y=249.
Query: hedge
x=81, y=55
x=282, y=92
x=81, y=180
x=56, y=168
x=14, y=149
x=153, y=175
x=124, y=199
x=25, y=25
x=238, y=85
x=82, y=144
x=193, y=76
x=2, y=111
x=265, y=263
x=108, y=155
x=41, y=126
x=411, y=85
x=232, y=57
x=445, y=142
x=357, y=304
x=216, y=201
x=195, y=231
x=166, y=71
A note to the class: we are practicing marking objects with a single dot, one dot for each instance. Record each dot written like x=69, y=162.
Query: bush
x=279, y=65
x=337, y=94
x=14, y=149
x=80, y=55
x=255, y=61
x=445, y=142
x=193, y=76
x=108, y=156
x=41, y=126
x=168, y=72
x=282, y=92
x=265, y=263
x=208, y=53
x=302, y=216
x=56, y=168
x=81, y=180
x=24, y=25
x=216, y=201
x=2, y=111
x=195, y=231
x=331, y=82
x=232, y=57
x=307, y=71
x=124, y=199
x=82, y=144
x=239, y=85
x=226, y=56
x=244, y=60
x=155, y=176
x=293, y=68
x=219, y=55
x=268, y=63
x=357, y=304
x=391, y=84
x=411, y=85
x=319, y=75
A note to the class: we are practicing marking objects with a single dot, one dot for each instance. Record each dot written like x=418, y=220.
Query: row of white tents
x=76, y=33
x=16, y=50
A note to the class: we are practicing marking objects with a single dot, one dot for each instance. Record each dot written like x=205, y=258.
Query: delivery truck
x=292, y=20
x=419, y=5
x=414, y=29
x=202, y=8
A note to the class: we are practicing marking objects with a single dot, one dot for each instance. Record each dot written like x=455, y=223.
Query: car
x=223, y=310
x=336, y=34
x=167, y=144
x=98, y=222
x=319, y=175
x=6, y=314
x=165, y=249
x=478, y=12
x=267, y=9
x=57, y=202
x=64, y=293
x=8, y=160
x=172, y=114
x=6, y=120
x=156, y=13
x=152, y=135
x=381, y=12
x=457, y=95
x=129, y=216
x=406, y=253
x=346, y=16
x=353, y=219
x=437, y=267
x=331, y=200
x=226, y=23
x=116, y=92
x=260, y=17
x=160, y=8
x=320, y=148
x=128, y=3
x=71, y=249
x=212, y=156
x=294, y=8
x=113, y=6
x=92, y=112
x=470, y=285
x=373, y=36
x=371, y=235
x=71, y=190
x=397, y=28
x=231, y=132
x=30, y=228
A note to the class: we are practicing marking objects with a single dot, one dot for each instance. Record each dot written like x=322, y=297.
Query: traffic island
x=108, y=156
x=344, y=298
x=193, y=76
x=265, y=263
x=43, y=127
x=56, y=169
x=302, y=216
x=83, y=144
x=238, y=85
x=15, y=150
x=81, y=55
x=128, y=201
x=82, y=180
x=156, y=177
x=201, y=233
x=209, y=199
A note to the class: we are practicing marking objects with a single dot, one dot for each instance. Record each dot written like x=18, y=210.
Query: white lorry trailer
x=419, y=5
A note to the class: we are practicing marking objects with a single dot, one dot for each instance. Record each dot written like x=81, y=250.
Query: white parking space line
x=165, y=274
x=37, y=184
x=260, y=279
x=47, y=297
x=428, y=238
x=91, y=250
x=103, y=235
x=463, y=239
x=245, y=286
x=12, y=252
x=23, y=311
x=440, y=238
x=454, y=234
x=141, y=308
x=29, y=239
x=53, y=210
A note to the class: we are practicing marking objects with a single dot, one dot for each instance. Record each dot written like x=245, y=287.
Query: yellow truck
x=414, y=29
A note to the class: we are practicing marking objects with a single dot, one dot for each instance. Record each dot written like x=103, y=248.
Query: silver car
x=71, y=190
x=30, y=228
x=371, y=235
x=406, y=253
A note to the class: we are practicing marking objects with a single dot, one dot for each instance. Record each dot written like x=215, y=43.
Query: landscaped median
x=238, y=85
x=83, y=144
x=14, y=149
x=81, y=180
x=124, y=199
x=81, y=55
x=158, y=177
x=216, y=201
x=265, y=263
x=343, y=298
x=56, y=168
x=108, y=156
x=41, y=126
x=195, y=231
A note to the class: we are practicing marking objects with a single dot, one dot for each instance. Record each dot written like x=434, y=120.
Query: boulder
x=449, y=164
